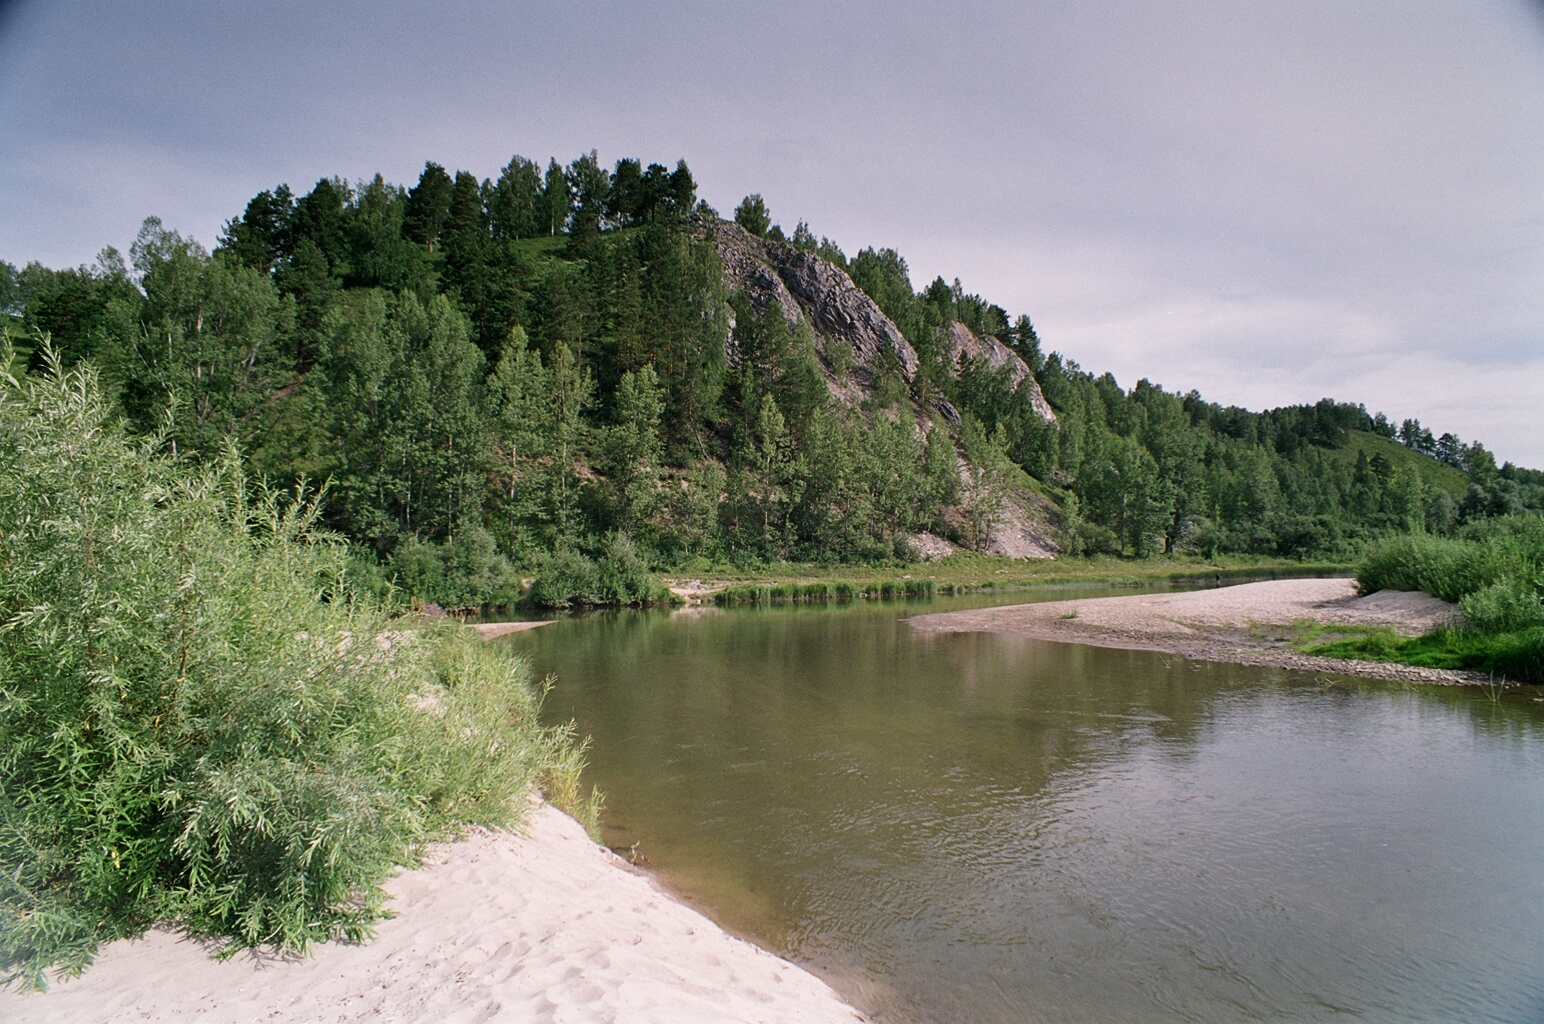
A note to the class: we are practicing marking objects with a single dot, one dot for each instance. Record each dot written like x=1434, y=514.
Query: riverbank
x=544, y=926
x=1248, y=624
x=967, y=572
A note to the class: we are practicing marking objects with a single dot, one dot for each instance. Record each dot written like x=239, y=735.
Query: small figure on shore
x=1218, y=578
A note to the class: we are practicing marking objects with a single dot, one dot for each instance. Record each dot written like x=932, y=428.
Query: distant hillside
x=584, y=372
x=1403, y=459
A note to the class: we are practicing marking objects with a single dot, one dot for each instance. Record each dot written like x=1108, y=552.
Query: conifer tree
x=428, y=204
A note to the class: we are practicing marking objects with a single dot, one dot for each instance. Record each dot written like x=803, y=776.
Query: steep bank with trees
x=573, y=376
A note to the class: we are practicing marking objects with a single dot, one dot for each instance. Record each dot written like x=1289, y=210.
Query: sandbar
x=1248, y=624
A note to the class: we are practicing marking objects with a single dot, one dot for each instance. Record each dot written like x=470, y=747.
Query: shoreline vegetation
x=203, y=722
x=969, y=573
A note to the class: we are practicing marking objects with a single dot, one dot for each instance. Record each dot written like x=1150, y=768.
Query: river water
x=971, y=827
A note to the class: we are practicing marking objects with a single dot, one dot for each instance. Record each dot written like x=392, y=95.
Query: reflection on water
x=977, y=827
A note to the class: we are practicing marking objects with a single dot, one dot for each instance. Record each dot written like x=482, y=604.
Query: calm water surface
x=982, y=828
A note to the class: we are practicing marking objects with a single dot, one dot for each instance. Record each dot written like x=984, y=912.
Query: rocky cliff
x=963, y=341
x=814, y=291
x=819, y=295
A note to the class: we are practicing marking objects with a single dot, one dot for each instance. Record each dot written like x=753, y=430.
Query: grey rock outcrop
x=747, y=269
x=840, y=309
x=812, y=290
x=963, y=341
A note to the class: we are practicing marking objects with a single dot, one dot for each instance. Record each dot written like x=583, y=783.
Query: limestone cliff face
x=964, y=341
x=813, y=291
x=747, y=268
x=840, y=309
x=817, y=295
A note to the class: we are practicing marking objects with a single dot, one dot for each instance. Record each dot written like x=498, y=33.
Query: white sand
x=494, y=630
x=1243, y=624
x=542, y=927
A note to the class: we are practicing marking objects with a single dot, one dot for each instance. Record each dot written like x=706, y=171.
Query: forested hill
x=586, y=369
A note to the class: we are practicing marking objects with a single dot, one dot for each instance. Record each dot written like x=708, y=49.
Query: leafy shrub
x=566, y=578
x=623, y=578
x=187, y=732
x=1503, y=607
x=1440, y=566
x=563, y=579
x=833, y=590
x=466, y=572
x=1494, y=570
x=1486, y=553
x=1094, y=539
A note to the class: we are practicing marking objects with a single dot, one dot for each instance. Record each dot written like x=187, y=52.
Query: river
x=973, y=827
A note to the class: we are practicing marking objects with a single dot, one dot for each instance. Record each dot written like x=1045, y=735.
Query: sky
x=1270, y=203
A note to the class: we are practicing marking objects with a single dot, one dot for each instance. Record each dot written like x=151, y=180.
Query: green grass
x=542, y=246
x=1514, y=656
x=1433, y=472
x=966, y=572
x=1493, y=572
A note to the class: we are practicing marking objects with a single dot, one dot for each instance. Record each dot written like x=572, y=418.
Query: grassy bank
x=966, y=572
x=1514, y=657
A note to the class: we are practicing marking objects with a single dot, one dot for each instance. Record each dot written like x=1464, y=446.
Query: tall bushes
x=1495, y=572
x=1487, y=553
x=200, y=719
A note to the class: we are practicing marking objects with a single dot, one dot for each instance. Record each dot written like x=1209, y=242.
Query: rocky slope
x=813, y=291
x=965, y=342
x=817, y=295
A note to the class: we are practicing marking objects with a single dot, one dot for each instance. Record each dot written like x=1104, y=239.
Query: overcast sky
x=1269, y=202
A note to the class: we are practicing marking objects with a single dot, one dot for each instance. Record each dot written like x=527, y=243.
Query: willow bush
x=201, y=719
x=1494, y=571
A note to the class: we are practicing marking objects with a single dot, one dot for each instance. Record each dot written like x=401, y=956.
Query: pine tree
x=556, y=200
x=515, y=207
x=428, y=204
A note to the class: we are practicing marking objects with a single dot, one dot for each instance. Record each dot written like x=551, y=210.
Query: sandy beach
x=1249, y=624
x=545, y=926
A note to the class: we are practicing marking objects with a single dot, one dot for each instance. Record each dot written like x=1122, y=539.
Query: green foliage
x=202, y=719
x=829, y=590
x=1494, y=570
x=752, y=215
x=988, y=475
x=1516, y=656
x=541, y=359
x=1491, y=553
x=1506, y=606
x=633, y=448
x=622, y=578
x=464, y=573
x=566, y=578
